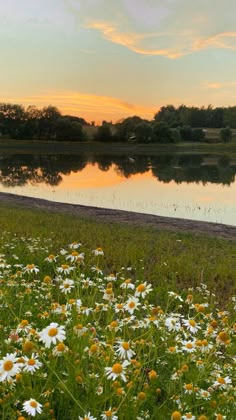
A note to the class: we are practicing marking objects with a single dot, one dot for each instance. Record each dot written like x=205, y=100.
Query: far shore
x=66, y=147
x=123, y=217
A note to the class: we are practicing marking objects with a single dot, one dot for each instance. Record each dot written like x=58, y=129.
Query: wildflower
x=75, y=245
x=143, y=289
x=52, y=334
x=188, y=346
x=109, y=415
x=60, y=349
x=124, y=350
x=223, y=338
x=220, y=416
x=32, y=364
x=32, y=407
x=172, y=323
x=191, y=325
x=132, y=304
x=127, y=284
x=188, y=416
x=176, y=415
x=65, y=269
x=98, y=251
x=221, y=382
x=51, y=258
x=88, y=416
x=9, y=367
x=117, y=371
x=31, y=268
x=75, y=257
x=111, y=277
x=188, y=388
x=66, y=286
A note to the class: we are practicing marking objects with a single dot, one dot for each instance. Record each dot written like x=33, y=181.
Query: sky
x=110, y=59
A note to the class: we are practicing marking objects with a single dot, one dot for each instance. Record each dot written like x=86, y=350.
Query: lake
x=191, y=186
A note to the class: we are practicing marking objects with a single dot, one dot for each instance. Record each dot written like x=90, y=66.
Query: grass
x=172, y=260
x=105, y=321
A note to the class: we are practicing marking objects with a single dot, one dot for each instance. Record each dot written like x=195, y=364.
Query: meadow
x=105, y=321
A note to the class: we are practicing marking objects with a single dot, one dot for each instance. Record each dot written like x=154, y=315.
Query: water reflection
x=21, y=170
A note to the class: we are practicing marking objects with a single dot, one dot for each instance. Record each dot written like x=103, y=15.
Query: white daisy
x=31, y=268
x=32, y=407
x=9, y=367
x=191, y=325
x=117, y=371
x=98, y=251
x=109, y=415
x=32, y=364
x=66, y=286
x=222, y=383
x=124, y=351
x=75, y=257
x=143, y=289
x=188, y=416
x=75, y=245
x=88, y=416
x=65, y=269
x=188, y=346
x=52, y=334
x=173, y=323
x=127, y=284
x=132, y=304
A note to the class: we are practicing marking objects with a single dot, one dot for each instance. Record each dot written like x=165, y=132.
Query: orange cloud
x=222, y=40
x=89, y=106
x=132, y=40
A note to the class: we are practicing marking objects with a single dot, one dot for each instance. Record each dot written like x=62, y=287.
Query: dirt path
x=120, y=216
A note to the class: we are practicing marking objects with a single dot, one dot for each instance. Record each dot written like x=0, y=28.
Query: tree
x=186, y=133
x=143, y=132
x=48, y=119
x=162, y=133
x=126, y=128
x=104, y=133
x=167, y=114
x=226, y=134
x=198, y=134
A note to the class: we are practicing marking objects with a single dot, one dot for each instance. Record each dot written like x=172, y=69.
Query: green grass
x=170, y=260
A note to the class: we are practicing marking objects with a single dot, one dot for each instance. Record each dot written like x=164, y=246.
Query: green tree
x=226, y=134
x=104, y=133
x=143, y=132
x=162, y=133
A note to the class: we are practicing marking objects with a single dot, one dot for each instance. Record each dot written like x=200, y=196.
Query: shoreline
x=121, y=216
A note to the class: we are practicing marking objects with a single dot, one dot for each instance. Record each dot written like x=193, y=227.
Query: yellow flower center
x=109, y=291
x=125, y=345
x=176, y=415
x=24, y=323
x=141, y=288
x=31, y=362
x=51, y=257
x=8, y=365
x=221, y=380
x=94, y=348
x=131, y=305
x=30, y=266
x=189, y=416
x=141, y=396
x=33, y=404
x=223, y=336
x=28, y=346
x=119, y=306
x=64, y=266
x=189, y=387
x=113, y=324
x=127, y=281
x=52, y=332
x=108, y=413
x=61, y=347
x=117, y=368
x=66, y=285
x=189, y=345
x=74, y=254
x=193, y=324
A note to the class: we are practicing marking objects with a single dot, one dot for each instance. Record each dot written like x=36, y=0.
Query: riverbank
x=65, y=147
x=124, y=217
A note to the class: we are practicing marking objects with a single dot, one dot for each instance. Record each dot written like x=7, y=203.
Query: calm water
x=198, y=187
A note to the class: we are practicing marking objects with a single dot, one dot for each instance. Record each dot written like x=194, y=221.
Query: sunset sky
x=108, y=59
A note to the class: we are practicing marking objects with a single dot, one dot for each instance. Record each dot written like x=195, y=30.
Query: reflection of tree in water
x=19, y=170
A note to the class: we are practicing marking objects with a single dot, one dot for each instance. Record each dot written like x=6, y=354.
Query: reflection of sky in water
x=141, y=193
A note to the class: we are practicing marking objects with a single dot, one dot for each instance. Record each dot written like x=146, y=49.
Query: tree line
x=170, y=125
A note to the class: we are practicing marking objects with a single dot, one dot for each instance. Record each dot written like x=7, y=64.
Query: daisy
x=32, y=364
x=109, y=415
x=117, y=371
x=132, y=304
x=124, y=350
x=32, y=407
x=51, y=258
x=66, y=286
x=143, y=289
x=191, y=325
x=88, y=416
x=221, y=382
x=172, y=323
x=98, y=251
x=31, y=268
x=188, y=346
x=127, y=284
x=188, y=416
x=75, y=245
x=52, y=334
x=65, y=269
x=9, y=367
x=75, y=256
x=111, y=277
x=60, y=349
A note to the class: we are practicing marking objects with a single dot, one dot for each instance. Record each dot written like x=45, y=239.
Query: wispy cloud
x=88, y=106
x=226, y=40
x=218, y=85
